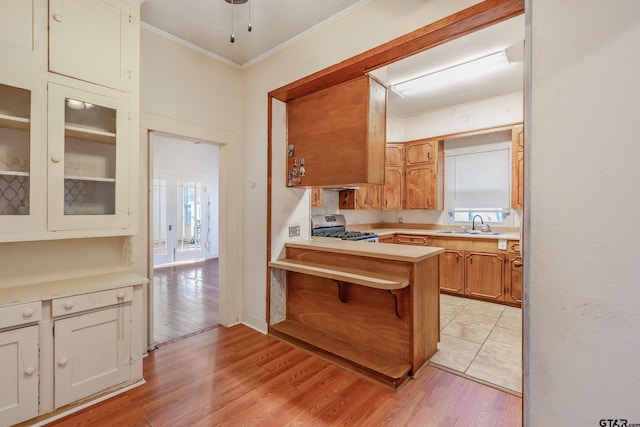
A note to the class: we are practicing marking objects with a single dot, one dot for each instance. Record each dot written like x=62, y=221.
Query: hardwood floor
x=185, y=299
x=237, y=376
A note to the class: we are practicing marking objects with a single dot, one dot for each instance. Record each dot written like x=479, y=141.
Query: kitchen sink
x=478, y=232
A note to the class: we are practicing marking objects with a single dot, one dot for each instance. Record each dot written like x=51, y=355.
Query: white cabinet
x=18, y=363
x=64, y=162
x=88, y=163
x=92, y=346
x=22, y=142
x=92, y=40
x=23, y=35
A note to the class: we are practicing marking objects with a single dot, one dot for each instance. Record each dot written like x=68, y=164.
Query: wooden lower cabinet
x=391, y=238
x=475, y=268
x=484, y=275
x=513, y=279
x=416, y=240
x=452, y=272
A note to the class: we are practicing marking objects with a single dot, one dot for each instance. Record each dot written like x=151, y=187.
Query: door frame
x=229, y=208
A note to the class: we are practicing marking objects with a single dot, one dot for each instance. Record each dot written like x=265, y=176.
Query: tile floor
x=482, y=340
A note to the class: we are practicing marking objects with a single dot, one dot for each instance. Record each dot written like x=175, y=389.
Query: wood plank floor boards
x=185, y=299
x=237, y=376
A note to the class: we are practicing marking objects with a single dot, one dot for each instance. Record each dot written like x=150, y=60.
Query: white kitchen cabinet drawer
x=20, y=314
x=91, y=301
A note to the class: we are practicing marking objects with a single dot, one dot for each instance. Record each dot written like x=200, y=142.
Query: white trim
x=189, y=45
x=88, y=404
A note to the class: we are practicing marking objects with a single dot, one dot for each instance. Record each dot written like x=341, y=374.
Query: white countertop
x=61, y=288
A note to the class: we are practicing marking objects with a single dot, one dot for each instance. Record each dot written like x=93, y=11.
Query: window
x=478, y=177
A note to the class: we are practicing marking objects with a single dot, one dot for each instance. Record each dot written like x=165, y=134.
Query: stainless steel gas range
x=335, y=225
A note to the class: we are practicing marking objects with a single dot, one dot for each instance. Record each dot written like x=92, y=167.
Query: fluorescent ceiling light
x=476, y=67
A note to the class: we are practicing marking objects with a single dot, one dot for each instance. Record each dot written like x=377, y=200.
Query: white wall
x=180, y=157
x=183, y=92
x=582, y=286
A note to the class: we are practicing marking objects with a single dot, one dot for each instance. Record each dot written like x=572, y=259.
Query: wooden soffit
x=481, y=15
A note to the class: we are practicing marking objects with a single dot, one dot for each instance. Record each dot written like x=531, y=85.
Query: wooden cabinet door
x=517, y=168
x=93, y=40
x=373, y=197
x=92, y=353
x=484, y=275
x=420, y=152
x=408, y=239
x=391, y=238
x=393, y=190
x=513, y=279
x=19, y=374
x=316, y=197
x=420, y=184
x=452, y=272
x=394, y=155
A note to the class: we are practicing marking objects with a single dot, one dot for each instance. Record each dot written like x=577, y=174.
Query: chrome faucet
x=473, y=221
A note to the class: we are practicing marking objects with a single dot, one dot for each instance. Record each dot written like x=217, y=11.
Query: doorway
x=184, y=209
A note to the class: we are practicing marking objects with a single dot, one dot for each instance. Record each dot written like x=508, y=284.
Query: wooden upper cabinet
x=420, y=152
x=517, y=167
x=316, y=197
x=393, y=189
x=421, y=187
x=394, y=155
x=340, y=133
x=94, y=40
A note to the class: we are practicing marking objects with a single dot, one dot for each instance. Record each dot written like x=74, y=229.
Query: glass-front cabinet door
x=88, y=166
x=22, y=136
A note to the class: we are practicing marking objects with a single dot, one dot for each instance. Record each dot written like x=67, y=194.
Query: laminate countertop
x=369, y=249
x=442, y=233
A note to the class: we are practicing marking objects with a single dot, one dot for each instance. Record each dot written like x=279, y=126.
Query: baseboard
x=255, y=323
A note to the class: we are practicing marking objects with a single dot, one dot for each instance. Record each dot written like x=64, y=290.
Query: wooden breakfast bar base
x=370, y=307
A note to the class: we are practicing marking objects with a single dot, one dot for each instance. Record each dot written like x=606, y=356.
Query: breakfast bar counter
x=372, y=308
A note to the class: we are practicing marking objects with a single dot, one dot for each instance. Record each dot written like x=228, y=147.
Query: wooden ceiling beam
x=476, y=17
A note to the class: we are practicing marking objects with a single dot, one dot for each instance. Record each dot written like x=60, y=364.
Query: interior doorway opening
x=185, y=229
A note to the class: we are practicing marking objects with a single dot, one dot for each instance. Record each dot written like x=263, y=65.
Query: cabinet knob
x=57, y=18
x=63, y=362
x=28, y=313
x=120, y=295
x=68, y=305
x=29, y=371
x=517, y=263
x=56, y=159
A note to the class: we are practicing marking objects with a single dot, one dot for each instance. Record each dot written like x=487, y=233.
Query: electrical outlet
x=294, y=230
x=502, y=245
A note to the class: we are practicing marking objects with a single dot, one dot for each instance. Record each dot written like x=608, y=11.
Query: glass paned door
x=178, y=224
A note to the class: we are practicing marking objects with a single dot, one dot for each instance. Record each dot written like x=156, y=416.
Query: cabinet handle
x=517, y=263
x=457, y=257
x=56, y=159
x=28, y=313
x=120, y=295
x=63, y=362
x=68, y=305
x=471, y=259
x=57, y=18
x=29, y=371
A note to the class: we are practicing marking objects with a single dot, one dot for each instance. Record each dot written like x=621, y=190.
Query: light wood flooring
x=237, y=376
x=185, y=299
